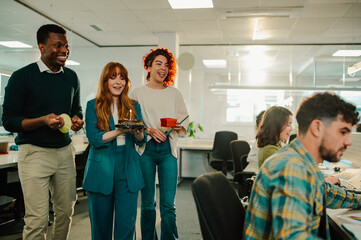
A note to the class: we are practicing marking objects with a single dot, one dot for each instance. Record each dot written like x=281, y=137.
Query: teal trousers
x=121, y=204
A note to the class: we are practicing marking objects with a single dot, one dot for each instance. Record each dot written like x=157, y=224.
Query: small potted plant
x=193, y=127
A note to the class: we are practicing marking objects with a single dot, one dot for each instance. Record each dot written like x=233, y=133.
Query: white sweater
x=161, y=103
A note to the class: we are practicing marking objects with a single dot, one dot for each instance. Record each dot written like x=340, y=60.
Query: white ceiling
x=137, y=22
x=311, y=32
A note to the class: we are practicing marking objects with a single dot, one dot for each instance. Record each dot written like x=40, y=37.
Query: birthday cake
x=126, y=123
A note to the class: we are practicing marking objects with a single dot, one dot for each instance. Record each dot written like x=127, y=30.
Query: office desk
x=11, y=159
x=80, y=148
x=196, y=146
x=336, y=215
x=336, y=221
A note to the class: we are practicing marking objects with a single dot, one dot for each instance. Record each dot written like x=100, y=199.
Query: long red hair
x=172, y=64
x=104, y=99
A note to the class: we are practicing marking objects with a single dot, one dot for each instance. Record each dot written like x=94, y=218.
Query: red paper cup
x=168, y=122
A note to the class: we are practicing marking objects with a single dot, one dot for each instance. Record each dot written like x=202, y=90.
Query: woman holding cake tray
x=159, y=100
x=112, y=175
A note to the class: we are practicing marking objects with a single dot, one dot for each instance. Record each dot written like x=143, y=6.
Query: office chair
x=80, y=162
x=220, y=157
x=239, y=148
x=12, y=208
x=244, y=182
x=293, y=136
x=220, y=212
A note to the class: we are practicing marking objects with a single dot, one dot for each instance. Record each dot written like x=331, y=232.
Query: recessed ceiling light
x=351, y=70
x=8, y=75
x=215, y=63
x=255, y=30
x=265, y=12
x=350, y=79
x=14, y=44
x=183, y=4
x=347, y=53
x=71, y=62
x=260, y=36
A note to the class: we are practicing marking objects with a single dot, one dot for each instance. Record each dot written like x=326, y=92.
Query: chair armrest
x=244, y=162
x=241, y=177
x=245, y=183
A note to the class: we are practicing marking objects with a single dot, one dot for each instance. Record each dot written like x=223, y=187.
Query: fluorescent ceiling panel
x=354, y=68
x=215, y=63
x=350, y=79
x=255, y=30
x=347, y=53
x=14, y=44
x=265, y=12
x=184, y=4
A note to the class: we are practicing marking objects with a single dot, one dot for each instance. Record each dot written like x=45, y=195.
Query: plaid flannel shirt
x=287, y=197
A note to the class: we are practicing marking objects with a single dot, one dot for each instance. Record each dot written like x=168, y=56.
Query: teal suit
x=112, y=177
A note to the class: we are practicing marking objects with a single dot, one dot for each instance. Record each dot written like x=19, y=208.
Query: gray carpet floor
x=187, y=219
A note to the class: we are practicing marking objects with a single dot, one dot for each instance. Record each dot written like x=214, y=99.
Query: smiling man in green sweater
x=35, y=97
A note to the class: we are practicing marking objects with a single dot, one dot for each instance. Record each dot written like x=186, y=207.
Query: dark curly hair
x=271, y=126
x=42, y=34
x=325, y=107
x=172, y=64
x=259, y=118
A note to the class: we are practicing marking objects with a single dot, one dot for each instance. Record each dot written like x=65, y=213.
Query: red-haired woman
x=158, y=100
x=112, y=176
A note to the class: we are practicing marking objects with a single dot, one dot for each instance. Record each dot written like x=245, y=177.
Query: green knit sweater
x=31, y=94
x=267, y=151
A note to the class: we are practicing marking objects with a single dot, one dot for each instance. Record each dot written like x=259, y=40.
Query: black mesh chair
x=80, y=162
x=12, y=210
x=220, y=157
x=293, y=136
x=239, y=148
x=220, y=212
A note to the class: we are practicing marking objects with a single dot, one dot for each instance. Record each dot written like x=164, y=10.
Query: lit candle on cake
x=130, y=115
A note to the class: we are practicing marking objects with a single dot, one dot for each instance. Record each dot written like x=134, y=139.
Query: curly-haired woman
x=159, y=100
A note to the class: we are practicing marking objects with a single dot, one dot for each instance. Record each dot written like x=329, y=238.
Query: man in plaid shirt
x=290, y=195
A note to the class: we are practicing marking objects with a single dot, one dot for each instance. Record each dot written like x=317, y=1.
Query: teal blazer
x=99, y=169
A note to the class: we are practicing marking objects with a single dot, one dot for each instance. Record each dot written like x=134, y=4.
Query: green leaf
x=193, y=128
x=191, y=134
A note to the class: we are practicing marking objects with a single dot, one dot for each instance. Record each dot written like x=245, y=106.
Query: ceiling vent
x=96, y=28
x=277, y=12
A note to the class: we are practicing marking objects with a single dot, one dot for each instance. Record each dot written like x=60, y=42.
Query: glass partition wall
x=229, y=96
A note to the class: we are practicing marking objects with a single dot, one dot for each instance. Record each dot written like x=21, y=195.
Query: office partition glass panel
x=243, y=105
x=4, y=78
x=228, y=97
x=268, y=74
